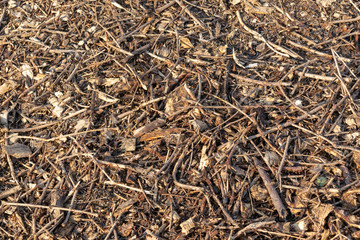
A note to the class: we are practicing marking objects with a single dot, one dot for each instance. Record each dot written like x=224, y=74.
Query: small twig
x=213, y=195
x=72, y=74
x=282, y=235
x=289, y=123
x=3, y=14
x=343, y=85
x=179, y=161
x=114, y=230
x=56, y=220
x=283, y=12
x=263, y=157
x=320, y=77
x=236, y=60
x=162, y=59
x=49, y=207
x=73, y=191
x=326, y=190
x=315, y=51
x=195, y=188
x=136, y=52
x=87, y=153
x=137, y=77
x=337, y=38
x=117, y=47
x=354, y=5
x=315, y=134
x=182, y=5
x=67, y=135
x=128, y=187
x=278, y=175
x=48, y=124
x=252, y=227
x=8, y=192
x=346, y=20
x=253, y=81
x=276, y=48
x=135, y=31
x=125, y=114
x=171, y=158
x=123, y=208
x=12, y=169
x=163, y=8
x=271, y=189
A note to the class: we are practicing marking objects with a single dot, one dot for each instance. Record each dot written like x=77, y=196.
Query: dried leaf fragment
x=356, y=234
x=126, y=229
x=350, y=219
x=107, y=98
x=4, y=117
x=58, y=110
x=57, y=199
x=187, y=226
x=83, y=123
x=325, y=3
x=18, y=150
x=27, y=71
x=186, y=43
x=234, y=2
x=12, y=4
x=174, y=216
x=257, y=8
x=223, y=49
x=199, y=125
x=356, y=158
x=301, y=225
x=8, y=86
x=320, y=213
x=259, y=193
x=204, y=160
x=271, y=158
x=128, y=144
x=150, y=235
x=179, y=99
x=350, y=200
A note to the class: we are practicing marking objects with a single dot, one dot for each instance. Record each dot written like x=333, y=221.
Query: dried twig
x=321, y=54
x=252, y=227
x=263, y=83
x=271, y=190
x=276, y=48
x=49, y=207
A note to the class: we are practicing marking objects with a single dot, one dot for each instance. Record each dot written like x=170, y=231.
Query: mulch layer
x=204, y=119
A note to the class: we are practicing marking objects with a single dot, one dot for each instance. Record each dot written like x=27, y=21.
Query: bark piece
x=179, y=100
x=187, y=226
x=161, y=133
x=10, y=191
x=8, y=86
x=149, y=127
x=18, y=150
